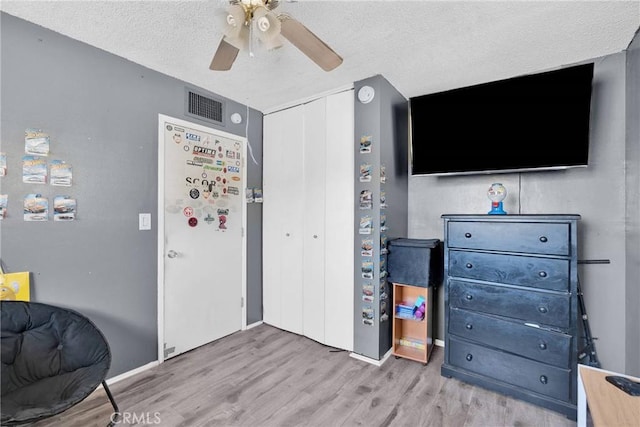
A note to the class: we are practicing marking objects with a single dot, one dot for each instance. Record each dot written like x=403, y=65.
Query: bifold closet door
x=308, y=180
x=339, y=210
x=283, y=214
x=314, y=174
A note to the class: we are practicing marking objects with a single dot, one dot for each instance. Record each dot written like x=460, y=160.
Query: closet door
x=339, y=211
x=314, y=176
x=283, y=212
x=308, y=179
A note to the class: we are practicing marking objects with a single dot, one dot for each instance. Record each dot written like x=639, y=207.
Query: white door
x=201, y=234
x=339, y=230
x=283, y=213
x=308, y=234
x=314, y=161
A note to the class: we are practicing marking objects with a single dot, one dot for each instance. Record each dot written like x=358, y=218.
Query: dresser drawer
x=518, y=371
x=533, y=307
x=538, y=344
x=544, y=273
x=526, y=237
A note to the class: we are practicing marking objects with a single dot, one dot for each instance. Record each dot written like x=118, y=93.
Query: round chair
x=52, y=358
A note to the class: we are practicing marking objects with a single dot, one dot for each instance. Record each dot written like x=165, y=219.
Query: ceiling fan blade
x=309, y=43
x=224, y=56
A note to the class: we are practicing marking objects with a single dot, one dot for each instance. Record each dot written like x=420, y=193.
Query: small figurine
x=497, y=194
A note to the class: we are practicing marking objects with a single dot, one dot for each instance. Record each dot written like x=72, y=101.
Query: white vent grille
x=204, y=107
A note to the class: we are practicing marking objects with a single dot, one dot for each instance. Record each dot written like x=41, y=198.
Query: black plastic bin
x=416, y=262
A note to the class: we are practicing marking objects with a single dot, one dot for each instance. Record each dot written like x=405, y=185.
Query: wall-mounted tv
x=527, y=123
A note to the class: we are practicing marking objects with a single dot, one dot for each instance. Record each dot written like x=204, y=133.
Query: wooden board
x=608, y=405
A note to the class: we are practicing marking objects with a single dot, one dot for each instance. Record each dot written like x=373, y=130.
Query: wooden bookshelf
x=412, y=338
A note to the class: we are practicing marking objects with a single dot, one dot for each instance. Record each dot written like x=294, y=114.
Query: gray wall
x=633, y=209
x=101, y=112
x=385, y=119
x=597, y=193
x=254, y=222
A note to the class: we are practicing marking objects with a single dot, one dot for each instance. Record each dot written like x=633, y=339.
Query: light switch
x=144, y=221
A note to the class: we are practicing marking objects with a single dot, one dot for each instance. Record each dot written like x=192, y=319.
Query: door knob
x=172, y=254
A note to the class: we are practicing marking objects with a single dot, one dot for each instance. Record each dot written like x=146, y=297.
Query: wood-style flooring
x=267, y=377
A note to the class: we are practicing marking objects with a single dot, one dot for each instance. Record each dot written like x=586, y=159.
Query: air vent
x=204, y=107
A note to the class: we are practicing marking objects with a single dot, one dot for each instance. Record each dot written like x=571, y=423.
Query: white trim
x=439, y=343
x=253, y=325
x=308, y=99
x=372, y=361
x=581, y=406
x=162, y=119
x=245, y=165
x=132, y=372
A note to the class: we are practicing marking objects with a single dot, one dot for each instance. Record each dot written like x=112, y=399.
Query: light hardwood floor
x=267, y=377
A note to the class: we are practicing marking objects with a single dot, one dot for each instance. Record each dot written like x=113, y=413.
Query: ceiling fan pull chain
x=251, y=41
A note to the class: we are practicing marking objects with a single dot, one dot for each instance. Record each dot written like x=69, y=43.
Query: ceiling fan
x=246, y=20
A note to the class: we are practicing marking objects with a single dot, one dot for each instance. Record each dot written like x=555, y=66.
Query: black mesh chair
x=52, y=359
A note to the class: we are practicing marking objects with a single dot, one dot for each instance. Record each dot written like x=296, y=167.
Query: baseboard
x=370, y=360
x=385, y=357
x=439, y=343
x=132, y=372
x=253, y=325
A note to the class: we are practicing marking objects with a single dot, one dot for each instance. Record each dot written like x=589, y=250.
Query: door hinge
x=241, y=302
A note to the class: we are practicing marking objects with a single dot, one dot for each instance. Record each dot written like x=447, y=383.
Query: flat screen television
x=527, y=123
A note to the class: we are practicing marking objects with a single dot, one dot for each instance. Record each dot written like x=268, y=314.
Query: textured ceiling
x=419, y=46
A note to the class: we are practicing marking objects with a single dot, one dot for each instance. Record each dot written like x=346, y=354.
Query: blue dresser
x=511, y=309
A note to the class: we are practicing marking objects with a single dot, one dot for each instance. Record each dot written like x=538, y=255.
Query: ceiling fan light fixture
x=240, y=41
x=235, y=20
x=267, y=24
x=273, y=43
x=263, y=24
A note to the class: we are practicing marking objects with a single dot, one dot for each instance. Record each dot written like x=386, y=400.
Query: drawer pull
x=469, y=265
x=543, y=379
x=542, y=345
x=467, y=235
x=543, y=309
x=469, y=297
x=542, y=274
x=468, y=326
x=543, y=239
x=469, y=357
